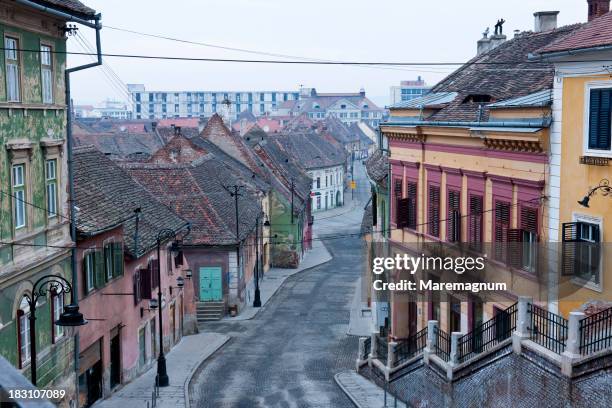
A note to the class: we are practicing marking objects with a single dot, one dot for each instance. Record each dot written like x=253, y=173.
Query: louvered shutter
x=136, y=287
x=374, y=208
x=570, y=238
x=397, y=195
x=434, y=211
x=502, y=223
x=84, y=273
x=108, y=254
x=117, y=259
x=99, y=277
x=599, y=119
x=145, y=283
x=475, y=228
x=403, y=211
x=514, y=252
x=453, y=220
x=412, y=205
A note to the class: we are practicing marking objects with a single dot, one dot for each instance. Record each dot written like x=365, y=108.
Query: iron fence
x=596, y=332
x=367, y=346
x=488, y=334
x=548, y=329
x=382, y=350
x=443, y=344
x=410, y=347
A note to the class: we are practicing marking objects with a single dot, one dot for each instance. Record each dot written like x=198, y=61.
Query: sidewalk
x=360, y=321
x=362, y=392
x=181, y=362
x=274, y=278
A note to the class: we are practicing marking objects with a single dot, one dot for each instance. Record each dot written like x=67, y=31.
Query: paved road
x=288, y=355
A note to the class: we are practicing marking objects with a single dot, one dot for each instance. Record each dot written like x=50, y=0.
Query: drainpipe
x=69, y=147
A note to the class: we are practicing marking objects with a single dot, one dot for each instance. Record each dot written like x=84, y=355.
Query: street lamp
x=604, y=186
x=257, y=299
x=70, y=317
x=162, y=374
x=180, y=282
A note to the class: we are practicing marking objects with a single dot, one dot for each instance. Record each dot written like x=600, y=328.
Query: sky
x=346, y=30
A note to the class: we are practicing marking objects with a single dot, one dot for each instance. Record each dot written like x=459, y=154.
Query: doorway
x=115, y=358
x=210, y=284
x=454, y=317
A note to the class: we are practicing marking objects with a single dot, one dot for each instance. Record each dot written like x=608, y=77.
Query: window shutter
x=117, y=259
x=412, y=197
x=178, y=259
x=453, y=221
x=599, y=119
x=402, y=212
x=99, y=277
x=529, y=219
x=154, y=275
x=145, y=283
x=515, y=247
x=107, y=251
x=475, y=227
x=434, y=211
x=502, y=223
x=570, y=237
x=374, y=208
x=136, y=287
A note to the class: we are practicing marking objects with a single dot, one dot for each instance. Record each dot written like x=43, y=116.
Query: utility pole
x=257, y=299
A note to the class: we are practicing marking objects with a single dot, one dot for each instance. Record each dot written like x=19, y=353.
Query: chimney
x=598, y=8
x=362, y=92
x=545, y=21
x=153, y=126
x=487, y=43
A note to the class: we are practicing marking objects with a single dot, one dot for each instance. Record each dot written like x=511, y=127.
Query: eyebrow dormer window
x=478, y=98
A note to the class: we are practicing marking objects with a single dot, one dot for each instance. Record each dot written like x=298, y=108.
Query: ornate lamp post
x=604, y=186
x=70, y=316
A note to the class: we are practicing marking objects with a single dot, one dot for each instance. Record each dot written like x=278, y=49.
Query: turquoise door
x=210, y=284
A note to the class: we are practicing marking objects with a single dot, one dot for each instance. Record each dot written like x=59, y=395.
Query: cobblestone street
x=288, y=355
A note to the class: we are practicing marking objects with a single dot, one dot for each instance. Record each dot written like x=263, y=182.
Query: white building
x=188, y=104
x=327, y=188
x=408, y=90
x=109, y=110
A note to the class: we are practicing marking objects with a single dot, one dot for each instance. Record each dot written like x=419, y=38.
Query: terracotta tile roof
x=71, y=6
x=121, y=145
x=107, y=196
x=178, y=150
x=595, y=33
x=182, y=122
x=168, y=132
x=377, y=167
x=311, y=150
x=503, y=73
x=199, y=192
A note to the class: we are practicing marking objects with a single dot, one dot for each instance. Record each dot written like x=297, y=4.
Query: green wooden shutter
x=99, y=277
x=600, y=115
x=117, y=259
x=84, y=274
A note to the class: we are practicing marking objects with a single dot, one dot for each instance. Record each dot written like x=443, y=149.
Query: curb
x=197, y=368
x=346, y=392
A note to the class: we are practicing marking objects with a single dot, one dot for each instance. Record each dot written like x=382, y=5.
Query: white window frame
x=19, y=192
x=577, y=217
x=58, y=307
x=108, y=268
x=46, y=73
x=587, y=110
x=11, y=58
x=90, y=274
x=24, y=333
x=51, y=182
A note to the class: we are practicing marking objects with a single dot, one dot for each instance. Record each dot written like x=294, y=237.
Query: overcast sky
x=355, y=30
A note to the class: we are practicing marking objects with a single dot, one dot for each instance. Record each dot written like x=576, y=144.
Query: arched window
x=23, y=332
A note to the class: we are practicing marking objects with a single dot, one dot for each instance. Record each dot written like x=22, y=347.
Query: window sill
x=587, y=284
x=26, y=105
x=598, y=153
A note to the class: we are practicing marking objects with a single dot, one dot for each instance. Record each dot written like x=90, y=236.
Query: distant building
x=348, y=107
x=109, y=110
x=188, y=104
x=408, y=90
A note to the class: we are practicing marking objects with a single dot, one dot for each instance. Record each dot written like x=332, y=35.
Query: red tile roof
x=178, y=150
x=593, y=34
x=183, y=122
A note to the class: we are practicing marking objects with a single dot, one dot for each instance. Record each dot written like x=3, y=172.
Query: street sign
x=353, y=185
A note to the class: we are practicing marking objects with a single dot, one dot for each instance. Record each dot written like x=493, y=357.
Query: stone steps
x=209, y=311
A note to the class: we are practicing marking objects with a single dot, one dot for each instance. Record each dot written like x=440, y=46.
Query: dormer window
x=478, y=98
x=366, y=106
x=316, y=106
x=343, y=106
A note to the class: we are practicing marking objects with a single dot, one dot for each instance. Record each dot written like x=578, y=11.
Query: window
x=23, y=332
x=453, y=221
x=318, y=182
x=46, y=65
x=142, y=356
x=19, y=195
x=108, y=261
x=581, y=252
x=89, y=272
x=11, y=57
x=318, y=202
x=475, y=222
x=397, y=195
x=501, y=226
x=406, y=207
x=57, y=307
x=434, y=210
x=522, y=242
x=599, y=119
x=51, y=183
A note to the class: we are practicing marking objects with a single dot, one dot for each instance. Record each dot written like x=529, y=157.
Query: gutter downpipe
x=531, y=124
x=60, y=14
x=69, y=147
